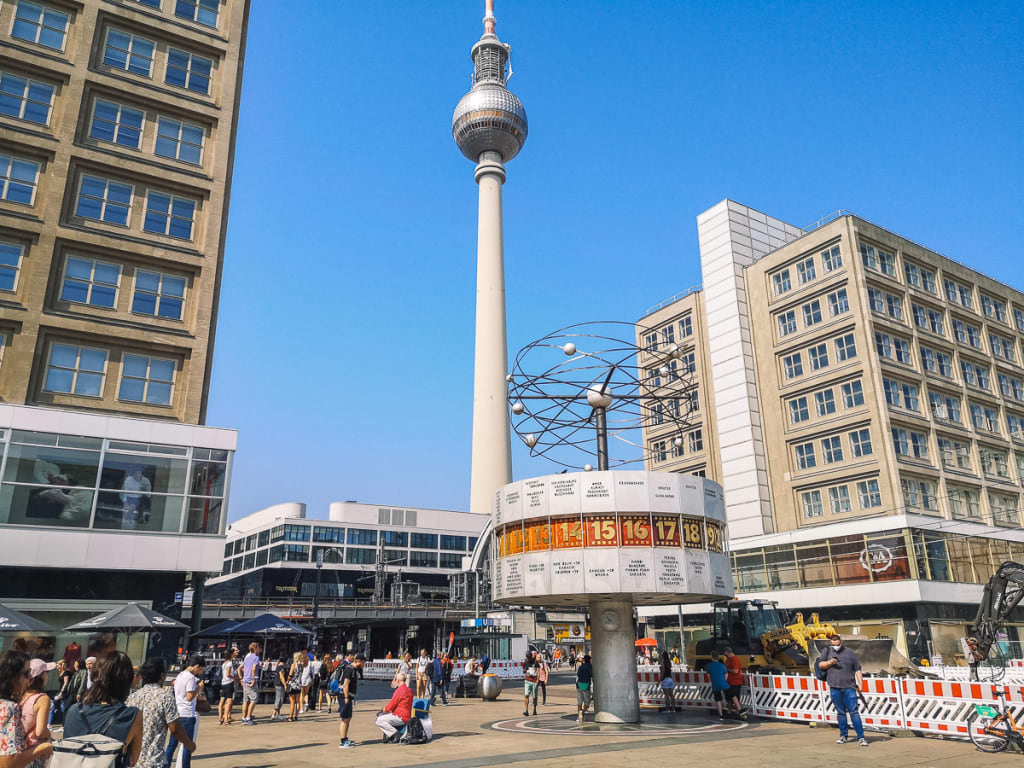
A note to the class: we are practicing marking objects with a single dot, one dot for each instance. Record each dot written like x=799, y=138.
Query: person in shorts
x=531, y=673
x=348, y=681
x=584, y=687
x=734, y=676
x=250, y=683
x=719, y=685
x=228, y=675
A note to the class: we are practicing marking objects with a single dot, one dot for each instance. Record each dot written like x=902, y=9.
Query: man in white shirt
x=134, y=488
x=187, y=687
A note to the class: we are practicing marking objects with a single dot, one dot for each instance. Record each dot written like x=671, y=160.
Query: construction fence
x=935, y=707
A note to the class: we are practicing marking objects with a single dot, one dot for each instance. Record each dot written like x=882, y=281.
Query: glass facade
x=68, y=481
x=869, y=558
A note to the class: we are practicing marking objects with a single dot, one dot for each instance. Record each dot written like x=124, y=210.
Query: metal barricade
x=787, y=697
x=880, y=703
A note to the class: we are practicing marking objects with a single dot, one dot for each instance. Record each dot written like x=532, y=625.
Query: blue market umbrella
x=15, y=621
x=267, y=624
x=218, y=630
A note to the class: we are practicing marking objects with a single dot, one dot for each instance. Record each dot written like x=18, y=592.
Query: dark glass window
x=360, y=556
x=451, y=560
x=362, y=536
x=394, y=538
x=453, y=542
x=424, y=540
x=423, y=560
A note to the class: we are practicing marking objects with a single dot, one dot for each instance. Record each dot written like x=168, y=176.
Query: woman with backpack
x=102, y=709
x=15, y=674
x=326, y=676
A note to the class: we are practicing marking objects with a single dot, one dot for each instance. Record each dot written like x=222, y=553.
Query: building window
x=928, y=280
x=202, y=11
x=964, y=503
x=659, y=451
x=853, y=394
x=975, y=375
x=10, y=265
x=832, y=450
x=839, y=499
x=910, y=400
x=993, y=308
x=186, y=70
x=158, y=294
x=75, y=370
x=876, y=299
x=935, y=324
x=1003, y=348
x=793, y=365
x=787, y=323
x=945, y=363
x=912, y=273
x=954, y=454
x=40, y=24
x=360, y=556
x=423, y=541
x=686, y=327
x=846, y=348
x=394, y=538
x=651, y=341
x=104, y=200
x=892, y=347
x=811, y=501
x=296, y=533
x=328, y=534
x=150, y=3
x=689, y=362
x=805, y=458
x=18, y=180
x=900, y=442
x=90, y=282
x=798, y=411
x=130, y=53
x=919, y=445
x=697, y=440
x=818, y=356
x=886, y=263
x=457, y=543
x=362, y=537
x=25, y=99
x=825, y=402
x=117, y=124
x=450, y=560
x=959, y=294
x=423, y=559
x=868, y=257
x=169, y=215
x=146, y=380
x=831, y=259
x=1004, y=509
x=995, y=463
x=812, y=313
x=894, y=306
x=668, y=334
x=1018, y=319
x=805, y=270
x=838, y=303
x=867, y=491
x=892, y=392
x=781, y=282
x=179, y=141
x=945, y=407
x=919, y=494
x=860, y=443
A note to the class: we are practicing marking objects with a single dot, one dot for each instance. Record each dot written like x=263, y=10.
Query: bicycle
x=992, y=730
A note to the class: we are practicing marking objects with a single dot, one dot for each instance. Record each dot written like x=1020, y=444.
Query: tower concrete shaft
x=492, y=456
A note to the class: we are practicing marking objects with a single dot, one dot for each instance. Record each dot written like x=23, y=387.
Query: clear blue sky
x=345, y=342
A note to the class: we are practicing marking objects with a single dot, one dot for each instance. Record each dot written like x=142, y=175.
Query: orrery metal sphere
x=489, y=118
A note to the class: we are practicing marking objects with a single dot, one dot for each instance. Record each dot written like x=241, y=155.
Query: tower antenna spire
x=489, y=20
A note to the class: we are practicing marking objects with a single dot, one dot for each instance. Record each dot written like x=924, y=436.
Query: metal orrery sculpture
x=489, y=125
x=578, y=386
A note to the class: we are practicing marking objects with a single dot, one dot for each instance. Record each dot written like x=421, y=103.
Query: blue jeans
x=436, y=688
x=189, y=724
x=845, y=701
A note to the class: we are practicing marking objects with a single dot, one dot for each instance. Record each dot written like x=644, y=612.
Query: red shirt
x=401, y=703
x=734, y=670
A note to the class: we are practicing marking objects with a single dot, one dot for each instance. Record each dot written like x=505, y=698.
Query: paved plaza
x=471, y=733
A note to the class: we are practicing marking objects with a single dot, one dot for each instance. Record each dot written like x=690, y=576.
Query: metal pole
x=316, y=599
x=602, y=438
x=198, y=595
x=682, y=635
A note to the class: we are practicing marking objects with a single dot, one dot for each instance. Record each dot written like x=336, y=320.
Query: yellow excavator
x=756, y=632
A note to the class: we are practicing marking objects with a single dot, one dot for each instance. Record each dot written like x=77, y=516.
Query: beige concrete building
x=117, y=126
x=868, y=393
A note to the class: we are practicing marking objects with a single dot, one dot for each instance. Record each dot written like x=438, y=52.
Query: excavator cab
x=739, y=624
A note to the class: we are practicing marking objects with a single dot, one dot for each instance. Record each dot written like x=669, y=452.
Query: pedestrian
x=159, y=716
x=187, y=688
x=531, y=673
x=324, y=691
x=543, y=670
x=558, y=658
x=843, y=674
x=348, y=683
x=668, y=683
x=422, y=673
x=471, y=666
x=35, y=707
x=485, y=663
x=719, y=684
x=397, y=712
x=734, y=676
x=572, y=659
x=437, y=681
x=280, y=686
x=404, y=668
x=584, y=688
x=294, y=684
x=228, y=676
x=315, y=666
x=448, y=667
x=82, y=681
x=103, y=710
x=250, y=684
x=305, y=682
x=15, y=674
x=60, y=701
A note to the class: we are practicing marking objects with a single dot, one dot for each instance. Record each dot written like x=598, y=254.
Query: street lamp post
x=316, y=600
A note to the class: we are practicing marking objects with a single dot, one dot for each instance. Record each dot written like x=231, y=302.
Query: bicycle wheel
x=989, y=734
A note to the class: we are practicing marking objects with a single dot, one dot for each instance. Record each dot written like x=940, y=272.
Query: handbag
x=202, y=703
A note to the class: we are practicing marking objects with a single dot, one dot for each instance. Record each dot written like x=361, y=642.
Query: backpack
x=415, y=732
x=819, y=673
x=93, y=750
x=334, y=687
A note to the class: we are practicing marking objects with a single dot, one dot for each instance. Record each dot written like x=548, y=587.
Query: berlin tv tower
x=489, y=125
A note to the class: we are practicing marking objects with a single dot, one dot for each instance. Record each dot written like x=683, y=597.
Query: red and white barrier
x=880, y=705
x=786, y=697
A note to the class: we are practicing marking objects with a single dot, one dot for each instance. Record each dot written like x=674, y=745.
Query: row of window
x=956, y=292
x=357, y=536
x=47, y=26
x=851, y=394
x=352, y=556
x=806, y=270
x=667, y=334
x=111, y=201
x=832, y=451
x=125, y=126
x=956, y=454
x=919, y=494
x=818, y=356
x=838, y=496
x=837, y=301
x=661, y=449
x=81, y=371
x=947, y=407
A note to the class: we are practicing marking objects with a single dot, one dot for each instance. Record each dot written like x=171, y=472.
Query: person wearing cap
x=35, y=707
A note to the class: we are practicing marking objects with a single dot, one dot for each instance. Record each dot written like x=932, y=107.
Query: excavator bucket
x=876, y=656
